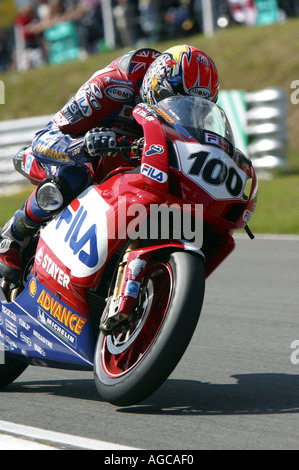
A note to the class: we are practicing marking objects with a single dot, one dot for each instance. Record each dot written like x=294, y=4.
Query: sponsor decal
x=77, y=237
x=125, y=113
x=118, y=81
x=154, y=173
x=136, y=266
x=120, y=92
x=23, y=324
x=32, y=287
x=83, y=103
x=74, y=152
x=56, y=328
x=42, y=339
x=28, y=163
x=76, y=242
x=247, y=215
x=214, y=139
x=9, y=313
x=132, y=289
x=145, y=114
x=60, y=119
x=51, y=153
x=165, y=115
x=200, y=91
x=47, y=264
x=11, y=328
x=70, y=320
x=154, y=149
x=71, y=113
x=94, y=94
x=40, y=350
x=25, y=339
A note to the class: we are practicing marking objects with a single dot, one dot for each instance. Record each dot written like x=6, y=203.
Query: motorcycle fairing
x=214, y=171
x=41, y=329
x=79, y=243
x=74, y=237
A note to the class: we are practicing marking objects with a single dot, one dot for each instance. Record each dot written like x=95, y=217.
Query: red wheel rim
x=122, y=351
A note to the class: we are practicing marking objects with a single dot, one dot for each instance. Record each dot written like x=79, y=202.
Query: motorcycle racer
x=68, y=148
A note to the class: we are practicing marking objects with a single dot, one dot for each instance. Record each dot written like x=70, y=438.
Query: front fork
x=120, y=305
x=127, y=285
x=8, y=292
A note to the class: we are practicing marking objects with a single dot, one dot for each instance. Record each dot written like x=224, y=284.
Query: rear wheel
x=133, y=362
x=11, y=370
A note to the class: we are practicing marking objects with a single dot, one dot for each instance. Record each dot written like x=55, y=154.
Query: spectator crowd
x=52, y=31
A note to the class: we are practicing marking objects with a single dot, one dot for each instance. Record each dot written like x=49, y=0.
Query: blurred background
x=49, y=48
x=31, y=31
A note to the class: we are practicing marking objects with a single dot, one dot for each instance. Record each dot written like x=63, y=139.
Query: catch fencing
x=258, y=120
x=15, y=134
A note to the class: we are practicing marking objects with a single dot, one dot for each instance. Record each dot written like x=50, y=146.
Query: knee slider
x=53, y=194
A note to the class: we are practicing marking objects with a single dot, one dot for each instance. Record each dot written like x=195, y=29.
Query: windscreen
x=195, y=113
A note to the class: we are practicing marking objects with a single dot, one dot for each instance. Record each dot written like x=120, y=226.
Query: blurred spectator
x=28, y=52
x=90, y=25
x=43, y=10
x=243, y=11
x=125, y=13
x=180, y=18
x=149, y=19
x=5, y=49
x=24, y=20
x=78, y=25
x=290, y=7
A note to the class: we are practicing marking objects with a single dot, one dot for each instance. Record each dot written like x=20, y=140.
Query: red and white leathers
x=107, y=99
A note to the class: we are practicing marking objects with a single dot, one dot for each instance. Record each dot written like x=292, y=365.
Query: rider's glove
x=99, y=140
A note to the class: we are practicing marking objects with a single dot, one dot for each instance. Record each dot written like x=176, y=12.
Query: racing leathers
x=106, y=100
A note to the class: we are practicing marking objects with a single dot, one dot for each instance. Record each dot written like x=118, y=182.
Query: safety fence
x=258, y=120
x=15, y=134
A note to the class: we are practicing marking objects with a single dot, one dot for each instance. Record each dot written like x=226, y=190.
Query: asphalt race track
x=235, y=388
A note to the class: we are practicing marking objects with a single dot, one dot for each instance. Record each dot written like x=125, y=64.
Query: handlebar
x=126, y=151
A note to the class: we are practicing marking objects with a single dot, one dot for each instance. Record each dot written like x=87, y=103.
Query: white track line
x=8, y=442
x=17, y=436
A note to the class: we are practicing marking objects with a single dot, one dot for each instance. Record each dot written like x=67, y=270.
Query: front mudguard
x=136, y=265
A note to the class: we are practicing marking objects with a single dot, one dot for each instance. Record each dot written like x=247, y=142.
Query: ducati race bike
x=115, y=282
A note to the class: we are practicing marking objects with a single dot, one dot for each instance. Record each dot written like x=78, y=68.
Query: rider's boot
x=14, y=238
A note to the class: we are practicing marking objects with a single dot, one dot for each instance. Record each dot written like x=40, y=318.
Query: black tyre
x=11, y=370
x=130, y=365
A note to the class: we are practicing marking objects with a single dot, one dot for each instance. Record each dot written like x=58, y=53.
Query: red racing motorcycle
x=115, y=282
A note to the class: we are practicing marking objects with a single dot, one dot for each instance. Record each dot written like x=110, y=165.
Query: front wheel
x=133, y=362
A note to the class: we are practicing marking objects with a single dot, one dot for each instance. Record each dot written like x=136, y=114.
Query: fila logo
x=77, y=239
x=154, y=173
